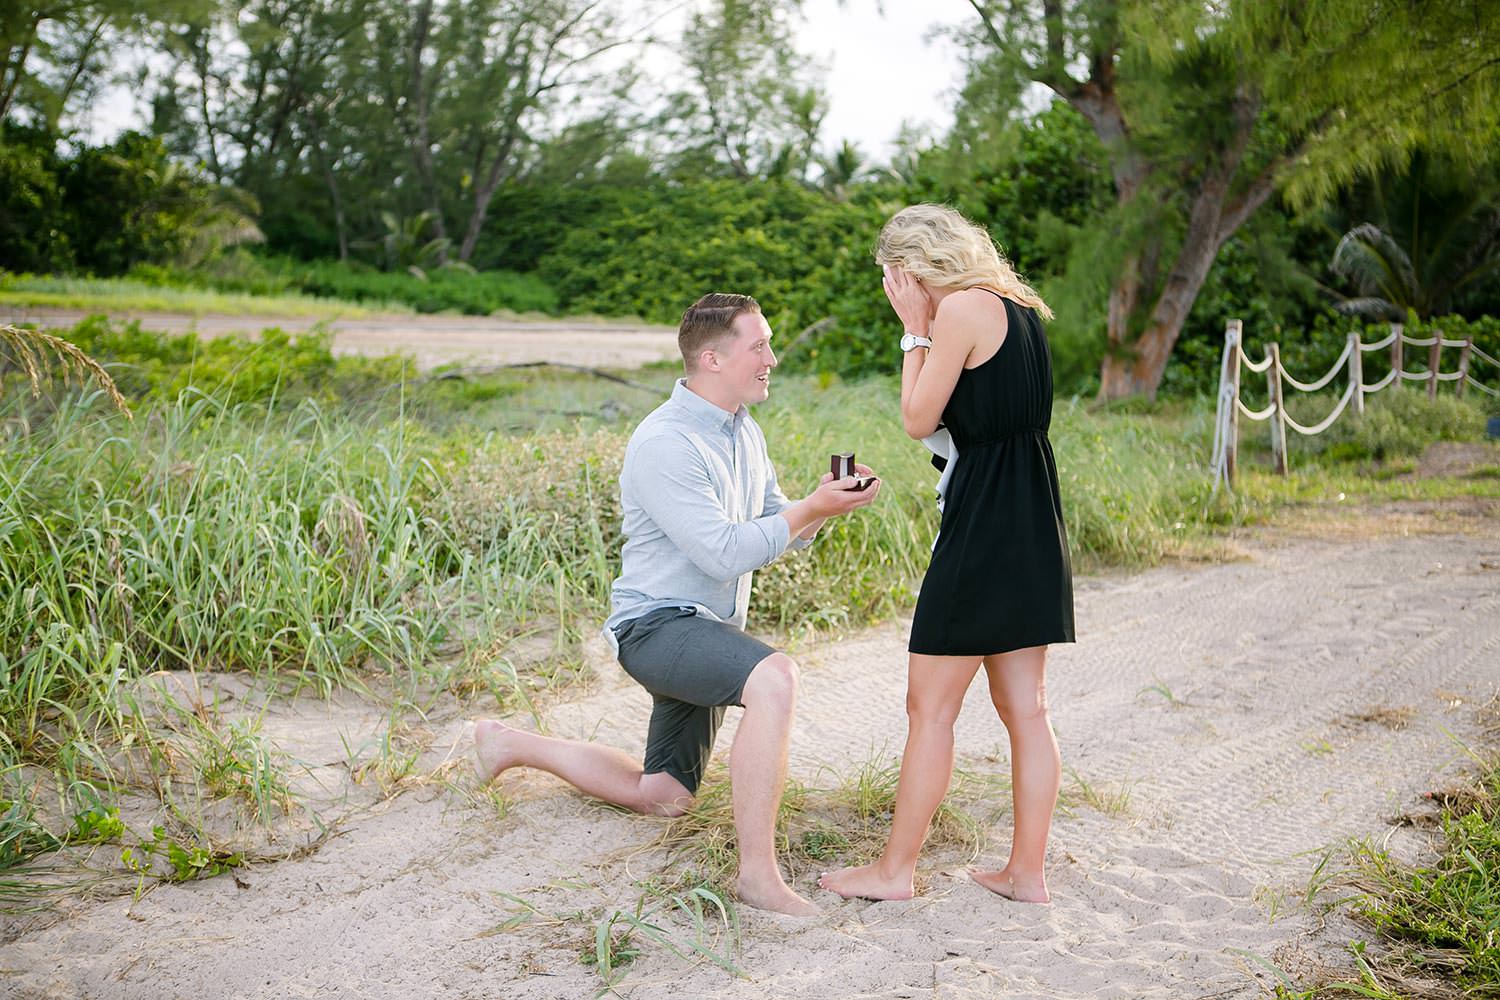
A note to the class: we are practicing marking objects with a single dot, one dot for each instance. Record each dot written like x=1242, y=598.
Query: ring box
x=842, y=467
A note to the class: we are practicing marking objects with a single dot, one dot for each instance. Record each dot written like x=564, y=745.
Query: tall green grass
x=302, y=545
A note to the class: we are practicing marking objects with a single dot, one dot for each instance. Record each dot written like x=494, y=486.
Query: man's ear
x=709, y=359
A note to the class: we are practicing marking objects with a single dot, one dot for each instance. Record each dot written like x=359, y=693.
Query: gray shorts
x=694, y=667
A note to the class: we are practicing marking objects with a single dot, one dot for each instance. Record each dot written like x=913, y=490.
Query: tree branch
x=989, y=25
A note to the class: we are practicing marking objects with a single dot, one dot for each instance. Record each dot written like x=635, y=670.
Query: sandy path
x=1261, y=762
x=432, y=340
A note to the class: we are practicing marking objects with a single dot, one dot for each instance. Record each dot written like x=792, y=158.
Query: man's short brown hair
x=708, y=321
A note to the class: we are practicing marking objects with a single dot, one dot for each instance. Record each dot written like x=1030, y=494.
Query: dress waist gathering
x=970, y=444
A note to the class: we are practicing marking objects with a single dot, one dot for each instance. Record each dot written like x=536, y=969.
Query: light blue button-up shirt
x=701, y=505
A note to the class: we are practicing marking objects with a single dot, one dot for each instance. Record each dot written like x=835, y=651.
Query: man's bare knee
x=773, y=683
x=660, y=794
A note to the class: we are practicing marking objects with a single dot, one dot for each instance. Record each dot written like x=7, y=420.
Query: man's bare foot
x=494, y=749
x=1031, y=889
x=867, y=882
x=775, y=896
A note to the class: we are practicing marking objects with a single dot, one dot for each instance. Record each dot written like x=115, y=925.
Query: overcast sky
x=883, y=70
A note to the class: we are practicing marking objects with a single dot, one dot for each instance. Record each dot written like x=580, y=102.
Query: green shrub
x=552, y=500
x=444, y=289
x=1396, y=423
x=440, y=290
x=33, y=229
x=1132, y=485
x=150, y=365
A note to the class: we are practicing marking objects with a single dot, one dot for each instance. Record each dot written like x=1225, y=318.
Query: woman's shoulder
x=973, y=305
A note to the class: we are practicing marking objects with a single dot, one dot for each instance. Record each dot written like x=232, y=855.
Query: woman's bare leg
x=935, y=689
x=1018, y=689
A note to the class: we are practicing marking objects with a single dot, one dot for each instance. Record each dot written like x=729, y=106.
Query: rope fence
x=1351, y=362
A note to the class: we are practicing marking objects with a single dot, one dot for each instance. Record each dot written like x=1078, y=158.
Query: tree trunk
x=1134, y=365
x=341, y=224
x=486, y=190
x=79, y=67
x=482, y=196
x=420, y=136
x=15, y=71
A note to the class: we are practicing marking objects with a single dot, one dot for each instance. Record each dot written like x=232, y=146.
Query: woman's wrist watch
x=910, y=340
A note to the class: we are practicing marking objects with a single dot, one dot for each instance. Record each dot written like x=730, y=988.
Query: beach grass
x=1433, y=922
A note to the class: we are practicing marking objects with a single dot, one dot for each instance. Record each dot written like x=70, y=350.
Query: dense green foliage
x=108, y=208
x=399, y=137
x=127, y=208
x=1397, y=423
x=1205, y=112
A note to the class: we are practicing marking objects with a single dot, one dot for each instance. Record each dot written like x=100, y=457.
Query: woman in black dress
x=999, y=588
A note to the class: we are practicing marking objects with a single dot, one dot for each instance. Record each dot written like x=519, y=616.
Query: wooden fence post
x=1232, y=432
x=1357, y=372
x=1434, y=362
x=1396, y=362
x=1278, y=410
x=1463, y=364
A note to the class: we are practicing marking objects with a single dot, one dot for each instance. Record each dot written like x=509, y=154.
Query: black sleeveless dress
x=1000, y=577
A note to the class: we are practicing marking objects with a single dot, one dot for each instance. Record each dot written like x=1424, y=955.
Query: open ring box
x=843, y=468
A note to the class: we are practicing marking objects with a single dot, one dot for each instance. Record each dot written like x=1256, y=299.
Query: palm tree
x=406, y=246
x=210, y=217
x=1450, y=240
x=843, y=168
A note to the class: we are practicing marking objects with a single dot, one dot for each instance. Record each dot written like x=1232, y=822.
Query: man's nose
x=771, y=358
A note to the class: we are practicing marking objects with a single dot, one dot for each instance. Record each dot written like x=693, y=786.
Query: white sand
x=1233, y=793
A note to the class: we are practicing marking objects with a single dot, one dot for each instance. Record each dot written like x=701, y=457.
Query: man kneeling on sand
x=702, y=512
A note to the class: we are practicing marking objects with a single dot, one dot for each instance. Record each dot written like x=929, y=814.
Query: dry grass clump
x=1396, y=719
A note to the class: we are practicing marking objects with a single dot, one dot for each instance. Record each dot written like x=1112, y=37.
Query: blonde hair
x=936, y=245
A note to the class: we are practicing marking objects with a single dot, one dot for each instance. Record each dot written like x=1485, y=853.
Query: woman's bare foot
x=867, y=882
x=776, y=896
x=1031, y=889
x=494, y=749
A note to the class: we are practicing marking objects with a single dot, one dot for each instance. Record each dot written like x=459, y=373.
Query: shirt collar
x=704, y=412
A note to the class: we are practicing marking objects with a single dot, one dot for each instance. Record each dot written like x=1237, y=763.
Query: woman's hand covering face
x=909, y=299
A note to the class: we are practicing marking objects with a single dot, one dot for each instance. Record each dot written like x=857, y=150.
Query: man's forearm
x=802, y=519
